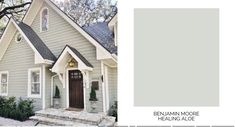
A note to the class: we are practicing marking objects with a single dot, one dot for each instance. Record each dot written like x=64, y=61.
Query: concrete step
x=108, y=121
x=57, y=122
x=51, y=121
x=79, y=117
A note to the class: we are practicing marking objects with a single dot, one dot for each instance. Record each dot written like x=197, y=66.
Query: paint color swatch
x=176, y=57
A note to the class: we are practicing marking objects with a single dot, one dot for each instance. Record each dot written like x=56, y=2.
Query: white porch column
x=43, y=86
x=104, y=89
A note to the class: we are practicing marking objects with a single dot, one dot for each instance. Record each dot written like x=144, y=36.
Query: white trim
x=106, y=82
x=25, y=37
x=4, y=72
x=43, y=86
x=67, y=87
x=79, y=29
x=82, y=65
x=85, y=76
x=37, y=60
x=113, y=21
x=31, y=12
x=6, y=38
x=103, y=87
x=41, y=19
x=29, y=82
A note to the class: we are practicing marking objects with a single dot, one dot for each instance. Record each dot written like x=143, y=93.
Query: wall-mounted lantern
x=71, y=63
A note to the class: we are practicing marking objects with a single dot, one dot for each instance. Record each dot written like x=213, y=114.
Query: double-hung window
x=34, y=82
x=3, y=83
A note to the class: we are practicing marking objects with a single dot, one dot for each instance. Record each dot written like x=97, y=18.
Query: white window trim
x=29, y=83
x=41, y=19
x=17, y=34
x=4, y=72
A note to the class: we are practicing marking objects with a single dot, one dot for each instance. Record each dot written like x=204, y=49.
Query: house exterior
x=47, y=49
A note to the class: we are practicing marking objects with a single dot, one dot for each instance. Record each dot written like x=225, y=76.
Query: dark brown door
x=76, y=99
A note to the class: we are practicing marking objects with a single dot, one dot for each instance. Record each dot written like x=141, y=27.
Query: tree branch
x=6, y=10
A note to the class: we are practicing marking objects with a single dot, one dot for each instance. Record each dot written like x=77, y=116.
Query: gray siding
x=112, y=80
x=58, y=83
x=18, y=58
x=48, y=88
x=61, y=33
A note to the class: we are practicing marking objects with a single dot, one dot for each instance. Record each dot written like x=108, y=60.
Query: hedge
x=18, y=110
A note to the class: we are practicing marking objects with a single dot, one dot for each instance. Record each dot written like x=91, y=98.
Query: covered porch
x=72, y=69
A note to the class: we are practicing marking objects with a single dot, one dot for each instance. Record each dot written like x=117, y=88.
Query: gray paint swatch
x=176, y=57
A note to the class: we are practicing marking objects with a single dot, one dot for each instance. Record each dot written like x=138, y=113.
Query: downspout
x=52, y=84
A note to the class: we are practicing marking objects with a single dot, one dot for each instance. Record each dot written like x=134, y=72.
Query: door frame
x=67, y=87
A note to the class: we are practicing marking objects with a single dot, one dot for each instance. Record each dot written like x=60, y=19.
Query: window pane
x=35, y=76
x=44, y=20
x=3, y=88
x=35, y=89
x=4, y=78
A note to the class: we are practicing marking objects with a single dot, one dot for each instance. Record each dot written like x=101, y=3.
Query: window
x=44, y=19
x=4, y=83
x=18, y=38
x=34, y=82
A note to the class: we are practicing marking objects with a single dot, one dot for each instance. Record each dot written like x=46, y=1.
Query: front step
x=57, y=122
x=79, y=117
x=61, y=117
x=50, y=121
x=108, y=121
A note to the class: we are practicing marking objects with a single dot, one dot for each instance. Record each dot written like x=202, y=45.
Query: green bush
x=113, y=111
x=57, y=92
x=18, y=111
x=93, y=95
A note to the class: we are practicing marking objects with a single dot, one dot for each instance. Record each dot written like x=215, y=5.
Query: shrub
x=93, y=95
x=57, y=92
x=18, y=111
x=113, y=111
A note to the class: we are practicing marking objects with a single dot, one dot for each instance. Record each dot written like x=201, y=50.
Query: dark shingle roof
x=79, y=55
x=102, y=34
x=37, y=42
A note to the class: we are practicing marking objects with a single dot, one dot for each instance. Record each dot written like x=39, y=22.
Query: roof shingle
x=103, y=35
x=37, y=42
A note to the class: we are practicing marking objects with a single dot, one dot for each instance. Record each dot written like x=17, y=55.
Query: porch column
x=43, y=86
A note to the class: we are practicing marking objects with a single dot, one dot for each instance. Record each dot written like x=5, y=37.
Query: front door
x=76, y=99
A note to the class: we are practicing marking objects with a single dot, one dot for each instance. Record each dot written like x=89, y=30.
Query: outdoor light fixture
x=71, y=63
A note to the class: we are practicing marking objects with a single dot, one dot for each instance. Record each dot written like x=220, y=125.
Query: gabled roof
x=79, y=55
x=35, y=7
x=102, y=34
x=42, y=52
x=83, y=63
x=37, y=42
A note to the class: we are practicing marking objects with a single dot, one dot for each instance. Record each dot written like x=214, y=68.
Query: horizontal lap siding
x=48, y=88
x=112, y=75
x=18, y=58
x=59, y=34
x=62, y=91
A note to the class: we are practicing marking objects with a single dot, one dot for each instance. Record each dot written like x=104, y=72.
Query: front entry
x=76, y=97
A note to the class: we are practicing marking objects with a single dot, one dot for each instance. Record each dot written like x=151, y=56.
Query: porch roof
x=83, y=63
